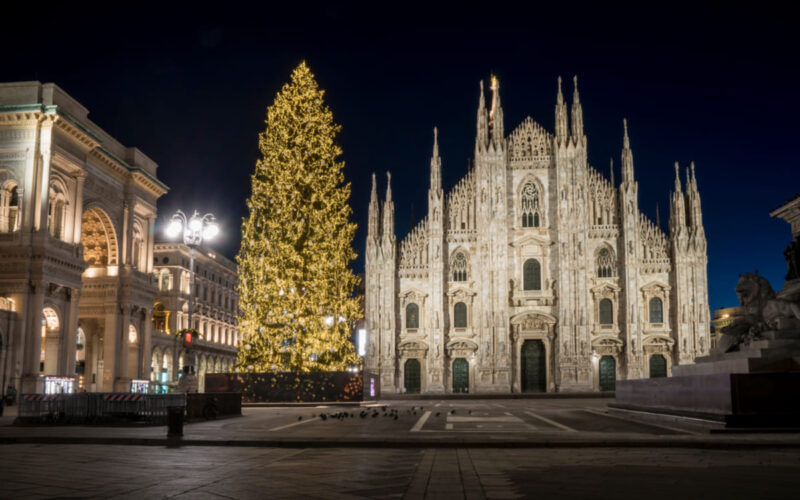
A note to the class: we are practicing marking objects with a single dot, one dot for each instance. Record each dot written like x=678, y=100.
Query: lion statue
x=762, y=312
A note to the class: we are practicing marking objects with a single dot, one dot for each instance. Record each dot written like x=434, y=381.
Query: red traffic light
x=187, y=340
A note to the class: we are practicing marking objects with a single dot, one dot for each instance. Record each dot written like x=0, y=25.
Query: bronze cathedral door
x=533, y=366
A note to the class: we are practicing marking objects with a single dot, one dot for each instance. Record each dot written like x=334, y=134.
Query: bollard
x=174, y=421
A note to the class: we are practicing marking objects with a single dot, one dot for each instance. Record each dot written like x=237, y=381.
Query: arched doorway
x=533, y=366
x=460, y=375
x=608, y=373
x=411, y=376
x=658, y=366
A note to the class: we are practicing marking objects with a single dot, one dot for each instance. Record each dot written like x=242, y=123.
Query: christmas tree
x=295, y=287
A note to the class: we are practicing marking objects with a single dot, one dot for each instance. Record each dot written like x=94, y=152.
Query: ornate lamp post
x=195, y=230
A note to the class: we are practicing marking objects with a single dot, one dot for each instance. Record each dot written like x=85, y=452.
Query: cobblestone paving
x=71, y=471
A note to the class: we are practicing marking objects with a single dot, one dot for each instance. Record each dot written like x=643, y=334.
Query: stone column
x=32, y=332
x=69, y=329
x=121, y=379
x=110, y=347
x=77, y=215
x=145, y=346
x=151, y=225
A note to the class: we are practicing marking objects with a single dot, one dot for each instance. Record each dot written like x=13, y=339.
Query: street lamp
x=195, y=230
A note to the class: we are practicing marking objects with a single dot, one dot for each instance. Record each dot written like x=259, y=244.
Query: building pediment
x=460, y=348
x=605, y=286
x=533, y=320
x=655, y=286
x=461, y=291
x=531, y=240
x=413, y=294
x=414, y=348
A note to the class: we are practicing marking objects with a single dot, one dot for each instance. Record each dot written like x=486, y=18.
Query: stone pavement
x=544, y=448
x=402, y=424
x=74, y=471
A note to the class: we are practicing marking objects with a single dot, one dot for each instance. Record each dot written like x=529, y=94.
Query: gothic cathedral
x=534, y=273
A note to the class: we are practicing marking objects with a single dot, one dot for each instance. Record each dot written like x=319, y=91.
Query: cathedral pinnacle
x=577, y=113
x=677, y=178
x=436, y=164
x=388, y=187
x=627, y=155
x=374, y=195
x=611, y=172
x=496, y=114
x=626, y=142
x=482, y=138
x=561, y=116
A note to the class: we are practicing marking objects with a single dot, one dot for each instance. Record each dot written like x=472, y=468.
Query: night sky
x=190, y=88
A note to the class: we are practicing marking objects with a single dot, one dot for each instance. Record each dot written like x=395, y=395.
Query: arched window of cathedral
x=459, y=267
x=460, y=315
x=605, y=264
x=531, y=275
x=412, y=316
x=606, y=312
x=656, y=310
x=530, y=206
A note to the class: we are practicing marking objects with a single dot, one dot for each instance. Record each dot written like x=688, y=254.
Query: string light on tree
x=297, y=241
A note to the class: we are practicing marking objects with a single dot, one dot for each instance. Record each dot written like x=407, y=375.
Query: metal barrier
x=97, y=408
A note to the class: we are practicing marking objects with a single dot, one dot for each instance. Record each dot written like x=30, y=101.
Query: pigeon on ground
x=300, y=417
x=437, y=413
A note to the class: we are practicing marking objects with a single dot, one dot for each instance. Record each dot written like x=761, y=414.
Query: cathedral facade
x=535, y=272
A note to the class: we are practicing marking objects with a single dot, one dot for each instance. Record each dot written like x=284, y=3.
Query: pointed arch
x=459, y=265
x=605, y=262
x=531, y=196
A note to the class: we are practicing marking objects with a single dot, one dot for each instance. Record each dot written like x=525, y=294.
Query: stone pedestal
x=759, y=385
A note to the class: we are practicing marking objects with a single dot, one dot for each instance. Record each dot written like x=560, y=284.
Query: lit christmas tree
x=295, y=287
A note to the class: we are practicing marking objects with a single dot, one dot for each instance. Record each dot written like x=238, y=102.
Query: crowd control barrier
x=97, y=408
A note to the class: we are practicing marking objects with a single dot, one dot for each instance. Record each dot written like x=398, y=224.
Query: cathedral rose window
x=459, y=267
x=605, y=264
x=530, y=206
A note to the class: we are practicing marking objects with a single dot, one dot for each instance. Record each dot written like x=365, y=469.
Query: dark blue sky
x=714, y=83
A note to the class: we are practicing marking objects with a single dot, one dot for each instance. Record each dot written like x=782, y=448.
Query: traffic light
x=187, y=340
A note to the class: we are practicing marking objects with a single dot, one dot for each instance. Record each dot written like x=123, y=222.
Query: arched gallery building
x=77, y=212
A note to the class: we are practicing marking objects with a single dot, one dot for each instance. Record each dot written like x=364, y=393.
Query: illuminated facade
x=77, y=211
x=215, y=302
x=535, y=272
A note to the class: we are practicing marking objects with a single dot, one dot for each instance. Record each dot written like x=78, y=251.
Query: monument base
x=738, y=399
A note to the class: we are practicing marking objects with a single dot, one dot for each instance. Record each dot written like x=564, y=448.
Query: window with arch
x=656, y=310
x=531, y=275
x=605, y=264
x=460, y=315
x=132, y=335
x=530, y=206
x=56, y=211
x=459, y=267
x=9, y=208
x=412, y=315
x=606, y=312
